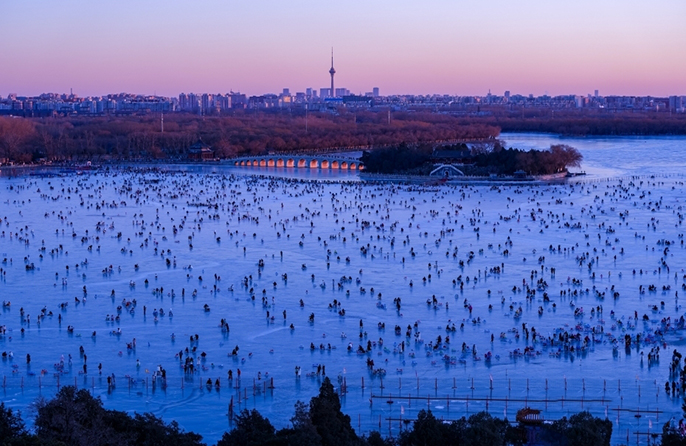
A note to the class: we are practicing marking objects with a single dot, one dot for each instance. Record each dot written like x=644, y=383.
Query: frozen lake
x=532, y=290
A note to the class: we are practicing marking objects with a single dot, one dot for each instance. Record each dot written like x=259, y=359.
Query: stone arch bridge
x=300, y=161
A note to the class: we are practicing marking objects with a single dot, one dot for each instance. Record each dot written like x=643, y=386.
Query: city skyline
x=457, y=48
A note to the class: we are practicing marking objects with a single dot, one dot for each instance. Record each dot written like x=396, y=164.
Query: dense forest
x=483, y=160
x=249, y=132
x=400, y=159
x=533, y=162
x=582, y=123
x=243, y=133
x=75, y=418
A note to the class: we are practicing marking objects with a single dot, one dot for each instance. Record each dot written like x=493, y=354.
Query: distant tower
x=332, y=72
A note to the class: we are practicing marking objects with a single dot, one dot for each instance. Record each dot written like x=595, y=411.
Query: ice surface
x=362, y=245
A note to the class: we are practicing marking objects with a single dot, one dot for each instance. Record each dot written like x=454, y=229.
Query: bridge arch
x=446, y=171
x=307, y=162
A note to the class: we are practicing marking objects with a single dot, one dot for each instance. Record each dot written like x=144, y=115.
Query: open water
x=162, y=255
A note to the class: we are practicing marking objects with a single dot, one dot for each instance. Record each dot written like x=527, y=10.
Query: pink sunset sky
x=463, y=47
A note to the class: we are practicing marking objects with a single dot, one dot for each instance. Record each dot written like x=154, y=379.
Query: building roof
x=200, y=146
x=452, y=154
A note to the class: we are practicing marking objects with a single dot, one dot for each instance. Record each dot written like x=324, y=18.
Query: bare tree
x=565, y=156
x=14, y=136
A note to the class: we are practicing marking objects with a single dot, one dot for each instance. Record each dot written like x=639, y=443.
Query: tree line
x=253, y=132
x=533, y=162
x=583, y=123
x=403, y=158
x=75, y=418
x=482, y=159
x=24, y=140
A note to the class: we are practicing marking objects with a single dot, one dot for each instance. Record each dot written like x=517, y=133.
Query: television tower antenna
x=332, y=72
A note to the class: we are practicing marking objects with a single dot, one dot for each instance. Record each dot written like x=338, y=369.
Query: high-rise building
x=238, y=100
x=222, y=101
x=183, y=101
x=375, y=92
x=189, y=102
x=207, y=102
x=595, y=93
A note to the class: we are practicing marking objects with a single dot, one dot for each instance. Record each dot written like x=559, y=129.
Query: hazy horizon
x=441, y=47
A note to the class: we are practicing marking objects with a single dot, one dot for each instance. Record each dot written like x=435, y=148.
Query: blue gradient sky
x=466, y=47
